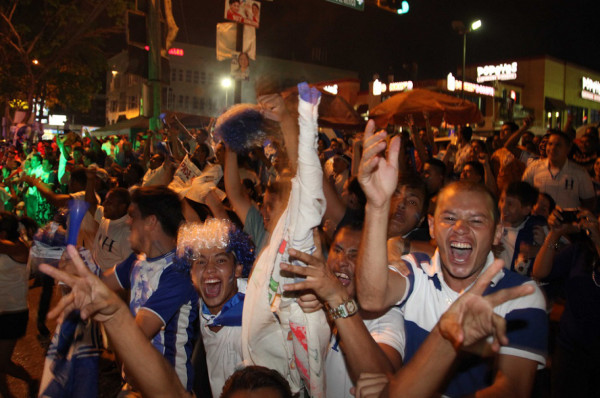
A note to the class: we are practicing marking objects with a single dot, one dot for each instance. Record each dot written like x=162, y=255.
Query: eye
x=412, y=202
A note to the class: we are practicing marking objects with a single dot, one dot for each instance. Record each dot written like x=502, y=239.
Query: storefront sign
x=394, y=87
x=496, y=72
x=400, y=86
x=456, y=85
x=331, y=88
x=590, y=89
x=356, y=4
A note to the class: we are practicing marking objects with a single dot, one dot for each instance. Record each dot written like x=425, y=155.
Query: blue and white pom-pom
x=241, y=128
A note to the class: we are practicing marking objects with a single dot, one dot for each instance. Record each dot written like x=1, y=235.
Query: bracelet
x=554, y=245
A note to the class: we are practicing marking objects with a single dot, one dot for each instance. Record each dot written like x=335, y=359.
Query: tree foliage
x=53, y=49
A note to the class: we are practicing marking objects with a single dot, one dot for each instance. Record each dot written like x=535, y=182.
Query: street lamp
x=460, y=28
x=226, y=83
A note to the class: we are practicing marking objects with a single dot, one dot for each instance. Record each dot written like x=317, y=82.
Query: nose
x=460, y=226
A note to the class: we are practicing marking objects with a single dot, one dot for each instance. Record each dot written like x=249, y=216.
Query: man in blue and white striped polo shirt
x=163, y=299
x=465, y=225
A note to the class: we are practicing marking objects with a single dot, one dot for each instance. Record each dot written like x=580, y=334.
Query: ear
x=151, y=222
x=430, y=221
x=498, y=233
x=238, y=270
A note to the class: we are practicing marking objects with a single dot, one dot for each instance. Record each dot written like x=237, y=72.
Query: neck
x=558, y=164
x=161, y=246
x=458, y=285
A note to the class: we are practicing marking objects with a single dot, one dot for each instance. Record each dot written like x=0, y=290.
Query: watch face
x=351, y=307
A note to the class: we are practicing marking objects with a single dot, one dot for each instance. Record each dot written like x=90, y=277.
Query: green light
x=404, y=8
x=476, y=25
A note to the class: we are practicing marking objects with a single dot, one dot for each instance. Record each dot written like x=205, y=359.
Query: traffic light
x=395, y=6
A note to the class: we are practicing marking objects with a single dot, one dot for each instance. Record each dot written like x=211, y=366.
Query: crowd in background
x=545, y=188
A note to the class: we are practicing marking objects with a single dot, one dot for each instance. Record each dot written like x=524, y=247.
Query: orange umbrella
x=334, y=111
x=420, y=102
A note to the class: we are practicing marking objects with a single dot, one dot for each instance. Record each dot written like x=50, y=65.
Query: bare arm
x=233, y=186
x=514, y=378
x=513, y=140
x=152, y=374
x=215, y=205
x=56, y=200
x=335, y=205
x=18, y=250
x=377, y=287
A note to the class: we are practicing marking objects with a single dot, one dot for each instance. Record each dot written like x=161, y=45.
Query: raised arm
x=377, y=287
x=335, y=205
x=233, y=186
x=151, y=372
x=55, y=199
x=513, y=140
x=273, y=107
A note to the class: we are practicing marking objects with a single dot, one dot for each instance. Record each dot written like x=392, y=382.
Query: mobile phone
x=569, y=216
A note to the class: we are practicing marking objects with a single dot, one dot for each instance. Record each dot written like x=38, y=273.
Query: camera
x=569, y=216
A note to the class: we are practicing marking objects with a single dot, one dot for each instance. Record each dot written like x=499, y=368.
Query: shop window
x=196, y=77
x=188, y=76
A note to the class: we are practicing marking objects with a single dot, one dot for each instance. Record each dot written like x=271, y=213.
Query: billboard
x=243, y=11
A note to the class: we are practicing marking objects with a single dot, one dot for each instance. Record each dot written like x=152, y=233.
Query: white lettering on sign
x=497, y=72
x=593, y=86
x=400, y=86
x=454, y=84
x=379, y=87
x=332, y=88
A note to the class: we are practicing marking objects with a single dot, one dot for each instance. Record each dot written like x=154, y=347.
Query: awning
x=552, y=104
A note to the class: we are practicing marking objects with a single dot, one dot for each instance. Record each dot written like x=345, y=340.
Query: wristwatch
x=344, y=310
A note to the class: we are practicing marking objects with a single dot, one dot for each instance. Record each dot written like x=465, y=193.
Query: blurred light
x=114, y=72
x=35, y=62
x=176, y=51
x=226, y=82
x=549, y=115
x=404, y=8
x=557, y=114
x=476, y=25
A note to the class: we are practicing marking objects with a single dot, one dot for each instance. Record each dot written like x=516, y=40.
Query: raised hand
x=88, y=293
x=378, y=176
x=319, y=279
x=471, y=318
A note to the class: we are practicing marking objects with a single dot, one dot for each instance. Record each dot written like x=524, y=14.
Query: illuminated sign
x=172, y=51
x=400, y=86
x=394, y=87
x=379, y=87
x=57, y=120
x=176, y=51
x=590, y=89
x=456, y=85
x=332, y=89
x=497, y=72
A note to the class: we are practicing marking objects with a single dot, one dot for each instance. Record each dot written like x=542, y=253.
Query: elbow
x=371, y=304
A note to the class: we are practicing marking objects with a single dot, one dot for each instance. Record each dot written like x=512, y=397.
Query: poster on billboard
x=243, y=11
x=240, y=66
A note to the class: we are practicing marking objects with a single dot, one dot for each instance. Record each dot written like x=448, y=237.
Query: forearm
x=215, y=206
x=490, y=182
x=291, y=131
x=152, y=374
x=513, y=140
x=372, y=275
x=233, y=186
x=545, y=257
x=90, y=194
x=434, y=358
x=362, y=353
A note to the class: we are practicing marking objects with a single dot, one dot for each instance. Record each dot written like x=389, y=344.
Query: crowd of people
x=459, y=270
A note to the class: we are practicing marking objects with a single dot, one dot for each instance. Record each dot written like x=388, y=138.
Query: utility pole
x=239, y=47
x=154, y=73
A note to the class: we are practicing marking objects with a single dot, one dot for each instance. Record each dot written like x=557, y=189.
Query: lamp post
x=226, y=83
x=460, y=28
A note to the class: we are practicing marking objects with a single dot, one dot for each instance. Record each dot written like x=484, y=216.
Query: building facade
x=196, y=78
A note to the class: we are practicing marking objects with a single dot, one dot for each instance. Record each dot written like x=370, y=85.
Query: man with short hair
x=163, y=300
x=520, y=226
x=434, y=174
x=568, y=183
x=465, y=225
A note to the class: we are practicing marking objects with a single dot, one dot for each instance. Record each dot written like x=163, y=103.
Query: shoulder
x=510, y=279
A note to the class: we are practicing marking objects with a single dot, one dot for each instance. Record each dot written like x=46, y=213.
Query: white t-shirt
x=223, y=349
x=158, y=176
x=387, y=329
x=111, y=244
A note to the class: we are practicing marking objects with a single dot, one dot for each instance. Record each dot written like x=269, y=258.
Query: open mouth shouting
x=344, y=278
x=460, y=252
x=212, y=287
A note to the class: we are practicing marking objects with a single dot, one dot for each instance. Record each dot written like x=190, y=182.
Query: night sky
x=419, y=45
